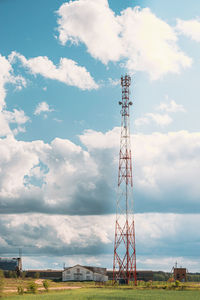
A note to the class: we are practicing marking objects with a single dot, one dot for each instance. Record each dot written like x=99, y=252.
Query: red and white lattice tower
x=124, y=263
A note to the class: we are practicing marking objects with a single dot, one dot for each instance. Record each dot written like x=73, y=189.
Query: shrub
x=23, y=274
x=1, y=282
x=177, y=283
x=149, y=283
x=140, y=283
x=164, y=287
x=20, y=290
x=159, y=276
x=46, y=285
x=10, y=274
x=14, y=274
x=32, y=287
x=37, y=275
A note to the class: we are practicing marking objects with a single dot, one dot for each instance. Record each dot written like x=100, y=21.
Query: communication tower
x=124, y=263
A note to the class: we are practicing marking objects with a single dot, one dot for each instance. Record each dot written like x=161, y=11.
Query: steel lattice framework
x=124, y=263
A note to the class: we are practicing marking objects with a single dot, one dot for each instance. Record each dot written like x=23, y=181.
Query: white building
x=81, y=273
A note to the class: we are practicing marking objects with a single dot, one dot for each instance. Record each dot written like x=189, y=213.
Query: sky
x=60, y=68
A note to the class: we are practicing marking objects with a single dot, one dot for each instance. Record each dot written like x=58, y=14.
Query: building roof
x=97, y=270
x=9, y=264
x=47, y=271
x=76, y=267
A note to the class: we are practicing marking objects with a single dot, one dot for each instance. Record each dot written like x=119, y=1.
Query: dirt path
x=50, y=288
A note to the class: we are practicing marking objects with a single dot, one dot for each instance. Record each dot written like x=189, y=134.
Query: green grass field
x=89, y=290
x=104, y=293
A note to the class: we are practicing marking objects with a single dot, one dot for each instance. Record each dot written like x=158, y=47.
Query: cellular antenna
x=124, y=263
x=20, y=252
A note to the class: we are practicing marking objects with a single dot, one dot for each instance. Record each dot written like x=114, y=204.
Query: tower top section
x=125, y=83
x=125, y=80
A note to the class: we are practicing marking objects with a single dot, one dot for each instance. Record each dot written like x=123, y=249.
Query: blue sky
x=60, y=69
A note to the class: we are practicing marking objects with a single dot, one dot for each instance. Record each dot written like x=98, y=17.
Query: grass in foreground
x=104, y=294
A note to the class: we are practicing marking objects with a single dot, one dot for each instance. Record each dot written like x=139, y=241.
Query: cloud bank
x=92, y=242
x=64, y=178
x=137, y=36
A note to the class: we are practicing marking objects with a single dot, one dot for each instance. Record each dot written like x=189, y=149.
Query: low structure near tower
x=83, y=273
x=11, y=264
x=180, y=274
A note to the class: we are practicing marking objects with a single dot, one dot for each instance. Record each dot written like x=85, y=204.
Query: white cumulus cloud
x=17, y=117
x=158, y=119
x=146, y=42
x=189, y=28
x=62, y=177
x=161, y=119
x=42, y=107
x=68, y=71
x=151, y=44
x=165, y=166
x=161, y=238
x=94, y=24
x=7, y=76
x=172, y=106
